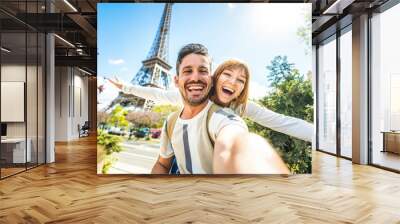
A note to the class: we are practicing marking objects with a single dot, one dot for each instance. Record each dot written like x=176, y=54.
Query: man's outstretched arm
x=237, y=151
x=162, y=165
x=165, y=158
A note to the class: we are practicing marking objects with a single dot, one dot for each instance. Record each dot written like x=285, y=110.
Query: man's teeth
x=195, y=88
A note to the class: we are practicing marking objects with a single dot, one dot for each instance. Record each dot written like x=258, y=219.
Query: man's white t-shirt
x=187, y=137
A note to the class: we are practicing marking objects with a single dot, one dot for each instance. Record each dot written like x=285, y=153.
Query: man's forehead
x=195, y=60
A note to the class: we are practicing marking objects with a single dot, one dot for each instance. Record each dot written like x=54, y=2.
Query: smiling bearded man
x=194, y=81
x=205, y=138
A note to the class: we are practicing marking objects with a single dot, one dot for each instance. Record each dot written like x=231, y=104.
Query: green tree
x=280, y=69
x=291, y=95
x=102, y=118
x=164, y=111
x=107, y=145
x=118, y=117
x=111, y=143
x=144, y=119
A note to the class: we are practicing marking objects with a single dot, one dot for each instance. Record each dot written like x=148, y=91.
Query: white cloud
x=116, y=61
x=257, y=91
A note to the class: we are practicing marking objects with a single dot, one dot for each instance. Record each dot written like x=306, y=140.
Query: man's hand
x=238, y=152
x=162, y=166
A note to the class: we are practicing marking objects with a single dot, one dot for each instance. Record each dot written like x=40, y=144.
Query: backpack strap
x=214, y=107
x=170, y=123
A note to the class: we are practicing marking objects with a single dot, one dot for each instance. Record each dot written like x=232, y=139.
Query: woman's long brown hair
x=238, y=104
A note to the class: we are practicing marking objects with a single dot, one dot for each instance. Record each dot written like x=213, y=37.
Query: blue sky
x=254, y=33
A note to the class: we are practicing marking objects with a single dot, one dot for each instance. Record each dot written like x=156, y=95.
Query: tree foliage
x=164, y=111
x=153, y=118
x=291, y=95
x=144, y=119
x=280, y=70
x=118, y=117
x=102, y=118
x=109, y=144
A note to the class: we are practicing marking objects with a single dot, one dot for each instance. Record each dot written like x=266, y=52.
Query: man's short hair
x=191, y=49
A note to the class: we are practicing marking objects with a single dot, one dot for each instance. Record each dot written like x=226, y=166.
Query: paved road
x=137, y=158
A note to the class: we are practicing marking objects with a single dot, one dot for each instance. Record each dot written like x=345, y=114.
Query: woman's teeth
x=228, y=90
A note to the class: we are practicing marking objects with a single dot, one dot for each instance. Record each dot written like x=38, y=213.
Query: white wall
x=80, y=110
x=71, y=102
x=61, y=103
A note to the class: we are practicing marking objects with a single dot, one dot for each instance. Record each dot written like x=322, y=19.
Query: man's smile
x=195, y=88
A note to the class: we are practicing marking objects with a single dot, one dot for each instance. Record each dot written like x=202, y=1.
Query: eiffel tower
x=155, y=70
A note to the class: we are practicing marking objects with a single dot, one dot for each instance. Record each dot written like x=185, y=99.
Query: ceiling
x=330, y=15
x=73, y=21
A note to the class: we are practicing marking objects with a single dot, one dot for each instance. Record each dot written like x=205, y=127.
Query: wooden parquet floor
x=69, y=191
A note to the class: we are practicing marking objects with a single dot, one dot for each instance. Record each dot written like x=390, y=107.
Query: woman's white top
x=278, y=122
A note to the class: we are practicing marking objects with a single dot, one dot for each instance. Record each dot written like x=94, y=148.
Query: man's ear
x=176, y=79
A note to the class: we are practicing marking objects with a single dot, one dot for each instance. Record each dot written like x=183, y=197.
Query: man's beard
x=198, y=101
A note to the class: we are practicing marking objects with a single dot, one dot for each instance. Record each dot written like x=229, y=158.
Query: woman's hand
x=116, y=83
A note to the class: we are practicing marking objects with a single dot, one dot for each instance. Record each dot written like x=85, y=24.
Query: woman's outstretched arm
x=150, y=93
x=155, y=94
x=292, y=126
